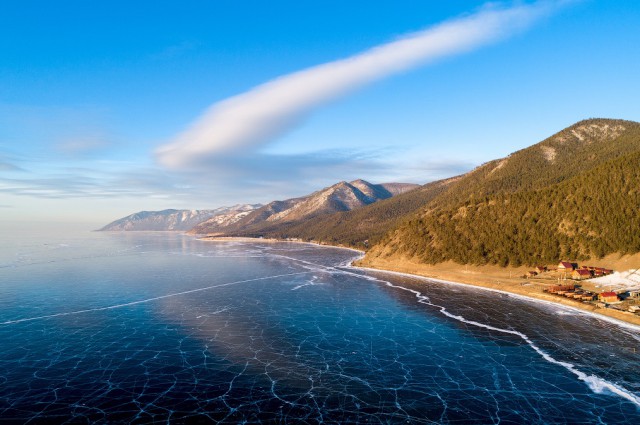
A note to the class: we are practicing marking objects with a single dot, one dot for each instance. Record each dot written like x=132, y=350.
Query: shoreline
x=545, y=301
x=476, y=279
x=504, y=285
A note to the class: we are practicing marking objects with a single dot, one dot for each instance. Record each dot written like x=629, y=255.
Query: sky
x=108, y=108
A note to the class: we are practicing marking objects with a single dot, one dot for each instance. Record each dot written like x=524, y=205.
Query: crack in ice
x=111, y=307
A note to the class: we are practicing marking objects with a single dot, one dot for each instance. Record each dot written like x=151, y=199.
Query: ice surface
x=147, y=329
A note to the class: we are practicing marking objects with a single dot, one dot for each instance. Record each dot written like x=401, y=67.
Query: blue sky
x=93, y=95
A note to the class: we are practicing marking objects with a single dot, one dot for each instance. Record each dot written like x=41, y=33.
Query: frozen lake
x=153, y=327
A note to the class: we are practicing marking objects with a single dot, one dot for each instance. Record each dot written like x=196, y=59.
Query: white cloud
x=258, y=116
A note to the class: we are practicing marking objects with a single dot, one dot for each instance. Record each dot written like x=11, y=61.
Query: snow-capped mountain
x=178, y=220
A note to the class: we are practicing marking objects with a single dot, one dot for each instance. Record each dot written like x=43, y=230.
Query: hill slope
x=574, y=195
x=564, y=155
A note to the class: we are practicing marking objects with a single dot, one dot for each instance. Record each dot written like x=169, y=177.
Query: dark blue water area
x=163, y=328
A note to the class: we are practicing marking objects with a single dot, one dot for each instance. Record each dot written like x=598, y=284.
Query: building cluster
x=565, y=271
x=626, y=301
x=572, y=291
x=571, y=270
x=575, y=292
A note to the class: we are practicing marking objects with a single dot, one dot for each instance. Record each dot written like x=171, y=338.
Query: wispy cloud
x=7, y=166
x=253, y=118
x=255, y=177
x=85, y=183
x=266, y=176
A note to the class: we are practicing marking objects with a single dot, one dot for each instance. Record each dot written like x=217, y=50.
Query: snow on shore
x=620, y=280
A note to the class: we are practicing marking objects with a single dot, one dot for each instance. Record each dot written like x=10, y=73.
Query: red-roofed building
x=609, y=297
x=581, y=274
x=565, y=266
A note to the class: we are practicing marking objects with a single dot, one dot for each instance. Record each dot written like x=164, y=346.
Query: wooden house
x=588, y=297
x=581, y=274
x=566, y=266
x=608, y=297
x=560, y=288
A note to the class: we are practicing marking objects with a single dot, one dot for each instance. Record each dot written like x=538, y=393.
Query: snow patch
x=620, y=280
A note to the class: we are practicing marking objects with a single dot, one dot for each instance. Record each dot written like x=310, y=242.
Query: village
x=582, y=284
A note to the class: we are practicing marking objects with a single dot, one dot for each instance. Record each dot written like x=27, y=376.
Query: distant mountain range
x=254, y=219
x=341, y=196
x=574, y=195
x=178, y=220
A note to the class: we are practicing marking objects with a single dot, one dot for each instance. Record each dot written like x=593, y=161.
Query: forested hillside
x=590, y=215
x=564, y=155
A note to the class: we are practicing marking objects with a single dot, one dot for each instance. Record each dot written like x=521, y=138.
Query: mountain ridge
x=172, y=219
x=342, y=196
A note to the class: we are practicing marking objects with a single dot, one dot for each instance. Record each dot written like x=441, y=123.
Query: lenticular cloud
x=267, y=111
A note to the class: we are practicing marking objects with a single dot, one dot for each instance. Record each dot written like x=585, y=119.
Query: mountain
x=574, y=195
x=362, y=226
x=342, y=196
x=221, y=222
x=178, y=219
